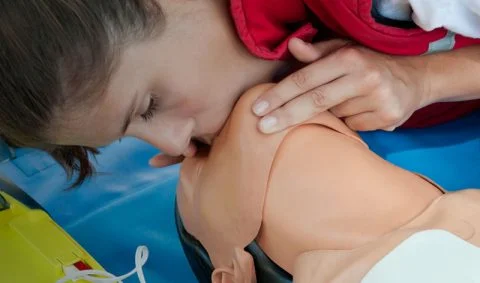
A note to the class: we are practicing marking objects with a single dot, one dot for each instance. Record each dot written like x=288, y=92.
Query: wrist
x=427, y=79
x=414, y=72
x=431, y=80
x=447, y=76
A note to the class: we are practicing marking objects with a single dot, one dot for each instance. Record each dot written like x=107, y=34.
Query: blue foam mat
x=129, y=204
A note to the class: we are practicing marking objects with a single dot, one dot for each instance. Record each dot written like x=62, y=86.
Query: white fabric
x=100, y=276
x=429, y=256
x=458, y=16
x=394, y=9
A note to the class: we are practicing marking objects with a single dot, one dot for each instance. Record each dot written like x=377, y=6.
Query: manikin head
x=81, y=74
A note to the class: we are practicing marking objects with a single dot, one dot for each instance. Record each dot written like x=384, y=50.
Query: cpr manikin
x=319, y=203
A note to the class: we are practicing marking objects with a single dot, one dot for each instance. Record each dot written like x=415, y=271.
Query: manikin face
x=175, y=88
x=223, y=164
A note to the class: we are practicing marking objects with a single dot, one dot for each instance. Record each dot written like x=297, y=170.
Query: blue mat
x=129, y=204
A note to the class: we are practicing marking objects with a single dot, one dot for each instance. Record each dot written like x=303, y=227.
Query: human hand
x=162, y=160
x=367, y=89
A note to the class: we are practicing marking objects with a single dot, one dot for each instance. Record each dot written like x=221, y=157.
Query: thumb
x=306, y=52
x=162, y=160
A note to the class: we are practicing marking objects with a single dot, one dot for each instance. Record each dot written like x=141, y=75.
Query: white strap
x=100, y=276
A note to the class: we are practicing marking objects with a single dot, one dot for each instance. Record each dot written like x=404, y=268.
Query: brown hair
x=55, y=54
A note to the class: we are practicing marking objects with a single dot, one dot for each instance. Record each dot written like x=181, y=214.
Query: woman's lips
x=191, y=149
x=198, y=144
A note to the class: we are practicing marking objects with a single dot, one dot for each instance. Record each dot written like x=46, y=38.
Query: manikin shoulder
x=243, y=123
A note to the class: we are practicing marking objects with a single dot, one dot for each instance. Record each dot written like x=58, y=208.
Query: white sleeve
x=459, y=16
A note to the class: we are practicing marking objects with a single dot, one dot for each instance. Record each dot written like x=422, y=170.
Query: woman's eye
x=152, y=106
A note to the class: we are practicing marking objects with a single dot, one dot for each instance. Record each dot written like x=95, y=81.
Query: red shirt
x=265, y=27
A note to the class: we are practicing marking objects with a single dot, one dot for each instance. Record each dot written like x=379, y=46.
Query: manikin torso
x=318, y=202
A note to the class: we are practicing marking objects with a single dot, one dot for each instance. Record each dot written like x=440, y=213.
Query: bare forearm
x=450, y=76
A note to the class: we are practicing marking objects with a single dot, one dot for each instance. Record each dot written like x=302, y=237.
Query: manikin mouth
x=202, y=146
x=195, y=147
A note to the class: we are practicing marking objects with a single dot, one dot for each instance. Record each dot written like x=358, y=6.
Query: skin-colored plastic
x=306, y=195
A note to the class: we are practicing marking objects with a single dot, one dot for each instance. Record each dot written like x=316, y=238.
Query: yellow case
x=33, y=248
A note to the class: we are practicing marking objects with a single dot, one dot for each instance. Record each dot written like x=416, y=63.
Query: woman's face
x=172, y=89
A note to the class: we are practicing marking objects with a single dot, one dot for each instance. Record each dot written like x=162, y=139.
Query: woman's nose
x=175, y=138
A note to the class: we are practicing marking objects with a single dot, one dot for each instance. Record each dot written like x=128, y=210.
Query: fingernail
x=267, y=124
x=260, y=107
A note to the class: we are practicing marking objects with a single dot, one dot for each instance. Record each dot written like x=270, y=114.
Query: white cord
x=141, y=256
